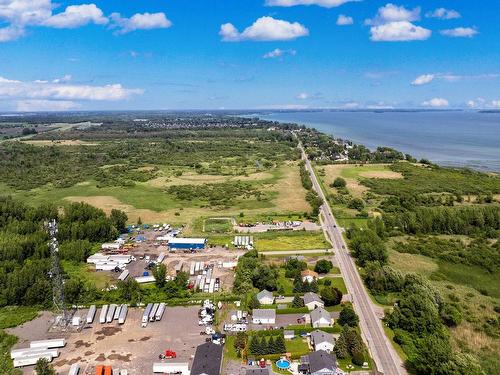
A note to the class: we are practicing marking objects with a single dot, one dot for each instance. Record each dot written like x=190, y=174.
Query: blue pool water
x=283, y=364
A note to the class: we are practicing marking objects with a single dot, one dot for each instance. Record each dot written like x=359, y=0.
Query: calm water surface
x=469, y=139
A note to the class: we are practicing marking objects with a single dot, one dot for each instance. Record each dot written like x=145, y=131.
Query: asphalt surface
x=386, y=359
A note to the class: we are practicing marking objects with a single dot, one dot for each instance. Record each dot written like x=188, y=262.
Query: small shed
x=265, y=297
x=289, y=334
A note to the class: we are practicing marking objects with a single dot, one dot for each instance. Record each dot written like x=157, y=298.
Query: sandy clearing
x=60, y=143
x=335, y=170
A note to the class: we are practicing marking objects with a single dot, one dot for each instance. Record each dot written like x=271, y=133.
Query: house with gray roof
x=207, y=359
x=312, y=300
x=264, y=316
x=322, y=363
x=265, y=297
x=321, y=318
x=322, y=341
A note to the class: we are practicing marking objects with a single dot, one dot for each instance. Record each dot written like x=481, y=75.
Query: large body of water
x=452, y=138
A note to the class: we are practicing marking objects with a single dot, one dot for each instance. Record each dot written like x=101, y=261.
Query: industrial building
x=187, y=244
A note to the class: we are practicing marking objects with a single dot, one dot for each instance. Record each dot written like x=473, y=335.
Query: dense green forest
x=24, y=253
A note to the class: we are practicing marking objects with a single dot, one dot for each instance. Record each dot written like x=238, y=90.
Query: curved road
x=382, y=352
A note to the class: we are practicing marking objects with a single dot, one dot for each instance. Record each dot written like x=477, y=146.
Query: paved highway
x=382, y=352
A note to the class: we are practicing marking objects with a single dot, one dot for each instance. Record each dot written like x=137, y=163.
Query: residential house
x=207, y=359
x=322, y=341
x=309, y=276
x=321, y=318
x=312, y=300
x=318, y=363
x=265, y=297
x=264, y=316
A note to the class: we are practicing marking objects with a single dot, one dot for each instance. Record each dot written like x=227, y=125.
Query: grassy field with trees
x=430, y=244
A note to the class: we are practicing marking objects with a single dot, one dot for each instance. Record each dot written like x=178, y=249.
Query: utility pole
x=56, y=275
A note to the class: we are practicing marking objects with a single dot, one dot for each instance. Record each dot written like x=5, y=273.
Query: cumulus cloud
x=398, y=31
x=343, y=20
x=495, y=103
x=264, y=29
x=321, y=3
x=279, y=53
x=460, y=32
x=45, y=105
x=393, y=13
x=303, y=96
x=61, y=90
x=423, y=79
x=77, y=16
x=140, y=21
x=443, y=14
x=436, y=103
x=18, y=15
x=393, y=23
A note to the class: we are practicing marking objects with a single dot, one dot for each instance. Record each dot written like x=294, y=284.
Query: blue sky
x=210, y=54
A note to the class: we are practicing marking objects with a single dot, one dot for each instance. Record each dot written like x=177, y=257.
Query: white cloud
x=476, y=103
x=278, y=53
x=65, y=78
x=436, y=103
x=343, y=20
x=144, y=21
x=398, y=31
x=45, y=105
x=460, y=32
x=44, y=90
x=443, y=14
x=321, y=3
x=264, y=29
x=495, y=103
x=423, y=79
x=10, y=33
x=393, y=13
x=350, y=105
x=77, y=16
x=303, y=96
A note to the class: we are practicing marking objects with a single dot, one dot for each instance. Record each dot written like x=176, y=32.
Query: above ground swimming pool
x=283, y=364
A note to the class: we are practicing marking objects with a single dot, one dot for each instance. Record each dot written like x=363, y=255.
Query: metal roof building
x=207, y=359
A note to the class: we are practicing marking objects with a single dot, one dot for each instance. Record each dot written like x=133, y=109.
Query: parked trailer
x=123, y=276
x=30, y=361
x=31, y=352
x=123, y=372
x=117, y=312
x=161, y=257
x=123, y=314
x=108, y=266
x=108, y=370
x=160, y=311
x=99, y=370
x=48, y=344
x=74, y=369
x=145, y=316
x=104, y=312
x=170, y=368
x=152, y=313
x=111, y=313
x=91, y=314
x=192, y=268
x=145, y=279
x=212, y=286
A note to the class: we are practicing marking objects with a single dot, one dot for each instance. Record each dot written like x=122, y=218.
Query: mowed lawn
x=296, y=240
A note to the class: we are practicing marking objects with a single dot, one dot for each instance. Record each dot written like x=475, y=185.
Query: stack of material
x=38, y=349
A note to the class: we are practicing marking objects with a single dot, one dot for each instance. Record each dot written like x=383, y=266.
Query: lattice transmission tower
x=56, y=275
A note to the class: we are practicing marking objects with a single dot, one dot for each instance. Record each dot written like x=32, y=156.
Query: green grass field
x=290, y=240
x=87, y=273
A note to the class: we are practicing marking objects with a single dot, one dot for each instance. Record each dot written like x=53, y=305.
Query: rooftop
x=321, y=360
x=319, y=313
x=207, y=359
x=311, y=297
x=264, y=313
x=318, y=337
x=264, y=293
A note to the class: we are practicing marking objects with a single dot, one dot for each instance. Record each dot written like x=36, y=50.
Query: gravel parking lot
x=127, y=346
